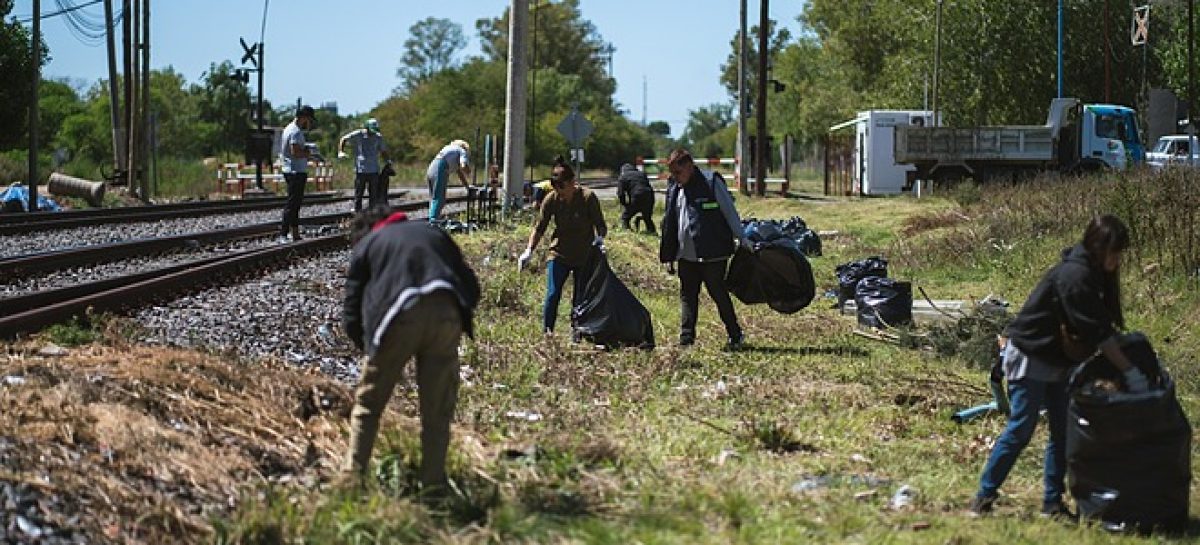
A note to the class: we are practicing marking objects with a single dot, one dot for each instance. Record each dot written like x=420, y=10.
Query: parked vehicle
x=1075, y=138
x=875, y=170
x=1172, y=149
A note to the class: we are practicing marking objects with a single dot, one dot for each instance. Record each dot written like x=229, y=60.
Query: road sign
x=575, y=128
x=1141, y=25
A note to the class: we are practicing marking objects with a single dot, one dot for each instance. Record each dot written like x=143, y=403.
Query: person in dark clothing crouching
x=637, y=196
x=1073, y=311
x=699, y=232
x=409, y=293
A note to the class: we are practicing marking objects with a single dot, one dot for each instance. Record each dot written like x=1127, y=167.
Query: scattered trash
x=921, y=525
x=903, y=498
x=865, y=495
x=52, y=351
x=971, y=413
x=725, y=455
x=14, y=380
x=859, y=458
x=810, y=484
x=28, y=528
x=528, y=416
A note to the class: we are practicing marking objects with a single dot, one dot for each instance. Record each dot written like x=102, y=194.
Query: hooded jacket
x=633, y=185
x=1074, y=293
x=391, y=268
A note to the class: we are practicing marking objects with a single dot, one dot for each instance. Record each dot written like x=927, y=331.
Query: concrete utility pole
x=743, y=144
x=937, y=62
x=114, y=80
x=132, y=80
x=1060, y=48
x=33, y=104
x=760, y=151
x=514, y=116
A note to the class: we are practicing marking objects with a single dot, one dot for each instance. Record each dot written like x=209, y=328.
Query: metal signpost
x=575, y=128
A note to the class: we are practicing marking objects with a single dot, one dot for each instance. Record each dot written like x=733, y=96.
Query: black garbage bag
x=1128, y=455
x=763, y=231
x=883, y=302
x=605, y=312
x=809, y=242
x=775, y=273
x=850, y=273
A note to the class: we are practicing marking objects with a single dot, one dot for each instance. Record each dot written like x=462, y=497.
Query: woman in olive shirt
x=578, y=225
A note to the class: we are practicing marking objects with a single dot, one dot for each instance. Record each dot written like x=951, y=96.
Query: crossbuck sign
x=1140, y=30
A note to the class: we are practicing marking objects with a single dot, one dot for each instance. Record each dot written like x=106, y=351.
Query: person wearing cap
x=451, y=158
x=368, y=147
x=294, y=152
x=409, y=294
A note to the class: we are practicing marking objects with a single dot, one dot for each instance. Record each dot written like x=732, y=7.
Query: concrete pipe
x=70, y=186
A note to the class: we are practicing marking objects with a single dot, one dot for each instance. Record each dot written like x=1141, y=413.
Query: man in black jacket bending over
x=636, y=195
x=408, y=293
x=699, y=231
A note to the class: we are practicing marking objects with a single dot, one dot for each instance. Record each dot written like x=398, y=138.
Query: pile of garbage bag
x=1128, y=455
x=16, y=199
x=605, y=312
x=849, y=274
x=794, y=229
x=774, y=271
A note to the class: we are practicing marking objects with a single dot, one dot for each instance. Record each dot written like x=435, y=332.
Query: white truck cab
x=1172, y=149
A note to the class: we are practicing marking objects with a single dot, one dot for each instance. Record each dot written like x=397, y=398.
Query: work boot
x=981, y=505
x=295, y=232
x=1057, y=511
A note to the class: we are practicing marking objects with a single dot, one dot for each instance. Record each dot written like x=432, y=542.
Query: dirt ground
x=143, y=445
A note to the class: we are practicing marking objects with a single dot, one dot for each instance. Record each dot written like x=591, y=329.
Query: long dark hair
x=1105, y=235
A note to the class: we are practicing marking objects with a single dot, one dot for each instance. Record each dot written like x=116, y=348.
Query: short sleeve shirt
x=367, y=145
x=455, y=157
x=292, y=135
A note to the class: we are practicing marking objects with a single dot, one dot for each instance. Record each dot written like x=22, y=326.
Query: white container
x=876, y=171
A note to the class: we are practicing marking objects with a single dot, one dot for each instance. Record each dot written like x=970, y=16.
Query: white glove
x=342, y=155
x=523, y=260
x=599, y=242
x=1136, y=381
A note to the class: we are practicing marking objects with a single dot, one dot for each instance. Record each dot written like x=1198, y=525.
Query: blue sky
x=348, y=51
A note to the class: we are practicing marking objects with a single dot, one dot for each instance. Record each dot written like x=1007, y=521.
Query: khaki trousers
x=429, y=331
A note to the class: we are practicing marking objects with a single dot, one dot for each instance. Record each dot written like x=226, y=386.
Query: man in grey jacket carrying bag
x=409, y=293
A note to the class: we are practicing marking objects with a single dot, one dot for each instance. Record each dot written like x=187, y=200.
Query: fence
x=726, y=166
x=233, y=177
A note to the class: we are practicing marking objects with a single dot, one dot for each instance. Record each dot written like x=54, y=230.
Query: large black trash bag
x=775, y=273
x=1128, y=455
x=606, y=312
x=763, y=231
x=883, y=302
x=809, y=242
x=850, y=273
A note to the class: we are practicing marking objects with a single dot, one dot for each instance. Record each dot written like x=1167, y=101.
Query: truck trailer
x=1075, y=138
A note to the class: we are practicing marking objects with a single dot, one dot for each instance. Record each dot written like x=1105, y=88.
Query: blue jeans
x=437, y=177
x=556, y=278
x=1027, y=397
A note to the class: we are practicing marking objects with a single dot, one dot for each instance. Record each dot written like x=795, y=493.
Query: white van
x=1172, y=149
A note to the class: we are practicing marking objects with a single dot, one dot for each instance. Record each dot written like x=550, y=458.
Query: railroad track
x=14, y=224
x=35, y=311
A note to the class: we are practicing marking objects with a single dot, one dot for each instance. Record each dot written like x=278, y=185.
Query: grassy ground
x=804, y=437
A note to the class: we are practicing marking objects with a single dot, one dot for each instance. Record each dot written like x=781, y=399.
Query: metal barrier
x=726, y=166
x=234, y=177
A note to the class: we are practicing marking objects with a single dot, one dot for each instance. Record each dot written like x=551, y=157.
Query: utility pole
x=531, y=122
x=743, y=166
x=143, y=157
x=645, y=88
x=514, y=116
x=1107, y=60
x=262, y=46
x=760, y=152
x=1060, y=48
x=937, y=62
x=132, y=19
x=118, y=136
x=36, y=44
x=126, y=86
x=1191, y=106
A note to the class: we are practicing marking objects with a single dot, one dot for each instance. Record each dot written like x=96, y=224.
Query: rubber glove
x=599, y=243
x=1136, y=381
x=523, y=260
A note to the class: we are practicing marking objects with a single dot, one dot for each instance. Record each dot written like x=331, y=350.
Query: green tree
x=225, y=102
x=777, y=39
x=566, y=42
x=704, y=122
x=429, y=49
x=16, y=64
x=659, y=128
x=57, y=101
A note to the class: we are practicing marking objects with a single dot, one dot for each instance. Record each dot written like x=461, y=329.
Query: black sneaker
x=736, y=343
x=981, y=505
x=1057, y=511
x=686, y=341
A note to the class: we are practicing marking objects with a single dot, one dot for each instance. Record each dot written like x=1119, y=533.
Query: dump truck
x=1075, y=138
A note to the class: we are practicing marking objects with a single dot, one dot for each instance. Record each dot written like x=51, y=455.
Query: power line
x=29, y=18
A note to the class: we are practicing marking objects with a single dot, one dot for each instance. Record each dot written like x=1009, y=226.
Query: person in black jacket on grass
x=637, y=196
x=699, y=231
x=1073, y=311
x=409, y=293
